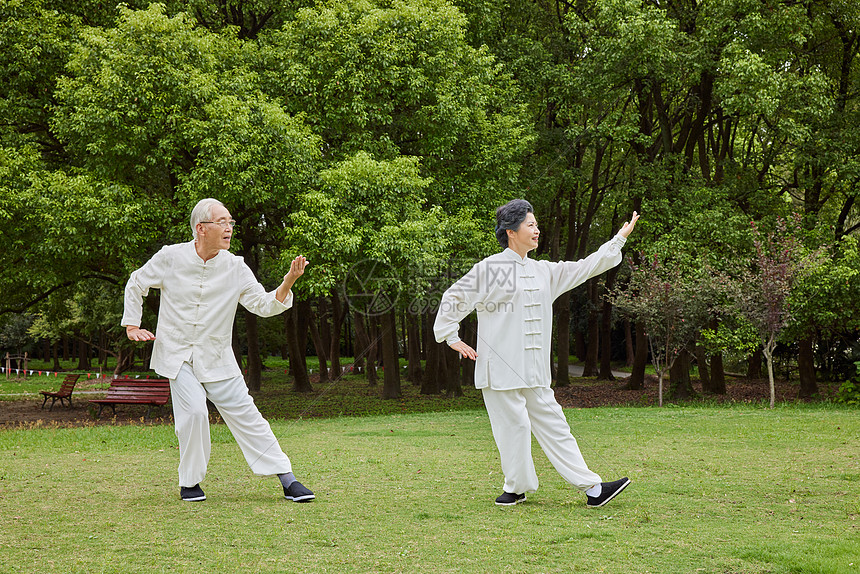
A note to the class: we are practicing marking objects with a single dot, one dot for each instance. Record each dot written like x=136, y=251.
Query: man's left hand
x=297, y=269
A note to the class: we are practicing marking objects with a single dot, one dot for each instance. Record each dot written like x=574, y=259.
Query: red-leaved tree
x=670, y=304
x=760, y=295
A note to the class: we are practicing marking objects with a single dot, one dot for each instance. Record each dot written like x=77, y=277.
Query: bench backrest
x=142, y=388
x=68, y=384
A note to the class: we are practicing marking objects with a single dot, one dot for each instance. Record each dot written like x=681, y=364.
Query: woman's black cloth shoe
x=509, y=499
x=192, y=493
x=608, y=491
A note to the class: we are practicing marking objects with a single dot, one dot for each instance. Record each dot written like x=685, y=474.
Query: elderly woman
x=513, y=296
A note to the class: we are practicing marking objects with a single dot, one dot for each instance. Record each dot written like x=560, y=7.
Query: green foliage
x=849, y=391
x=741, y=337
x=365, y=209
x=827, y=297
x=400, y=79
x=14, y=333
x=390, y=130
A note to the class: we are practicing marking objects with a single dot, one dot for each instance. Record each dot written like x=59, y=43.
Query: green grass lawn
x=716, y=490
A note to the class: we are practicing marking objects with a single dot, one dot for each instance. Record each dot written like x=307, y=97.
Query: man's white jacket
x=513, y=297
x=197, y=308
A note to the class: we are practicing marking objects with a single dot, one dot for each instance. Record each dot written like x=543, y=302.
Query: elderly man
x=201, y=284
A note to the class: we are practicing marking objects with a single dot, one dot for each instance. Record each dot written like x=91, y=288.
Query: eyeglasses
x=223, y=223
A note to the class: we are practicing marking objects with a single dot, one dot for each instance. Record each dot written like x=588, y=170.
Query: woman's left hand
x=628, y=226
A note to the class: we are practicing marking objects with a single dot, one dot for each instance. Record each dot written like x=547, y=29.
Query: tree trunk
x=589, y=369
x=390, y=363
x=681, y=387
x=453, y=362
x=605, y=373
x=124, y=360
x=298, y=367
x=754, y=365
x=373, y=342
x=579, y=344
x=413, y=348
x=103, y=343
x=768, y=356
x=806, y=366
x=362, y=341
x=146, y=356
x=319, y=345
x=286, y=352
x=434, y=369
x=255, y=364
x=55, y=351
x=470, y=335
x=628, y=343
x=702, y=364
x=83, y=355
x=718, y=374
x=640, y=360
x=337, y=315
x=562, y=371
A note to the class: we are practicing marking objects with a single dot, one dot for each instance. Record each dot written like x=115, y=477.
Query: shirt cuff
x=288, y=300
x=452, y=340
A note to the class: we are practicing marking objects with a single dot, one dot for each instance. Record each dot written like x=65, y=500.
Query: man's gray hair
x=510, y=216
x=202, y=212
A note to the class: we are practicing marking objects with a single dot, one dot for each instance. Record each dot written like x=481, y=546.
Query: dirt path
x=29, y=414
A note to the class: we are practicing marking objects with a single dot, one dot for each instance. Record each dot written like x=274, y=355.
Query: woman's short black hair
x=510, y=216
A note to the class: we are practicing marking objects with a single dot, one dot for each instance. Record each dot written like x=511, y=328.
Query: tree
x=761, y=296
x=172, y=111
x=671, y=308
x=389, y=87
x=378, y=204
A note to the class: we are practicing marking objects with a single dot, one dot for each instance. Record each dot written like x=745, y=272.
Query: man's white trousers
x=517, y=414
x=251, y=431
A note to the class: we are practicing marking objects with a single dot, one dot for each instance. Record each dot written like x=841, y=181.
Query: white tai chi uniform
x=193, y=349
x=513, y=297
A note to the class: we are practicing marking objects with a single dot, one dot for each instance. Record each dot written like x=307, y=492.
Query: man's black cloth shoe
x=297, y=492
x=192, y=493
x=609, y=490
x=509, y=499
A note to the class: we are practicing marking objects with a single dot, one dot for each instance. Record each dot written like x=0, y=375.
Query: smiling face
x=525, y=238
x=212, y=236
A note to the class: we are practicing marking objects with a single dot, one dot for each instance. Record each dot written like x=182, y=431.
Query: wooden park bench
x=65, y=392
x=126, y=391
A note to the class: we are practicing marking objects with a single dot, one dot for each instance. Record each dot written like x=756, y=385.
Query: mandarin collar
x=192, y=252
x=514, y=256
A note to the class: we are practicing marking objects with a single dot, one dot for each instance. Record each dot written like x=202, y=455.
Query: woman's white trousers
x=517, y=414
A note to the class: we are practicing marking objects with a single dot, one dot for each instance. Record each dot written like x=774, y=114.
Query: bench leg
x=45, y=401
